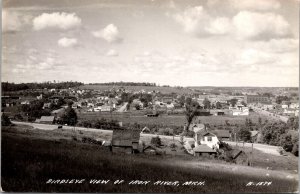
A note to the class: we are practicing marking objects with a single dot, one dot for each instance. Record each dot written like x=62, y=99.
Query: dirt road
x=262, y=147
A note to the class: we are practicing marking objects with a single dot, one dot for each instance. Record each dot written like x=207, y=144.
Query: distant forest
x=6, y=86
x=125, y=84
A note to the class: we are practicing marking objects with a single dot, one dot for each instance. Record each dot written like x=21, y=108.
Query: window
x=209, y=138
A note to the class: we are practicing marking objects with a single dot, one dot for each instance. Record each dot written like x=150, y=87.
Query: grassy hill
x=29, y=162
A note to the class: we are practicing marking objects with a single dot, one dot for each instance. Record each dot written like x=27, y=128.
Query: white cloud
x=13, y=21
x=67, y=42
x=261, y=5
x=253, y=25
x=219, y=26
x=192, y=19
x=197, y=21
x=110, y=33
x=278, y=45
x=254, y=56
x=56, y=20
x=50, y=63
x=112, y=53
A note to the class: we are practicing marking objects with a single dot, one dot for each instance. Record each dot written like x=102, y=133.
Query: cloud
x=67, y=42
x=110, y=33
x=219, y=26
x=56, y=20
x=13, y=21
x=192, y=19
x=112, y=53
x=278, y=45
x=196, y=21
x=255, y=26
x=261, y=5
x=254, y=56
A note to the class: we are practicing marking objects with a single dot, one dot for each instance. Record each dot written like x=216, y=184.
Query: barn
x=125, y=141
x=46, y=120
x=222, y=135
x=204, y=150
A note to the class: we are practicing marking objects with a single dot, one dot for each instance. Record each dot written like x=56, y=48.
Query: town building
x=257, y=99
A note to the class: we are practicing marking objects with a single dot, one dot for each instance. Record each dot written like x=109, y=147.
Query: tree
x=271, y=133
x=191, y=108
x=156, y=141
x=5, y=121
x=243, y=103
x=70, y=116
x=279, y=99
x=244, y=135
x=218, y=105
x=181, y=100
x=233, y=101
x=206, y=103
x=286, y=142
x=259, y=121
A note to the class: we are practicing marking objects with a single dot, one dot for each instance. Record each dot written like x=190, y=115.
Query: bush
x=224, y=146
x=156, y=141
x=173, y=145
x=5, y=121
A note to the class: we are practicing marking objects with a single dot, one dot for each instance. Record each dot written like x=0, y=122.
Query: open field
x=163, y=90
x=30, y=157
x=169, y=120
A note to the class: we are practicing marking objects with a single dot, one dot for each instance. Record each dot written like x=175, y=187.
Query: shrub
x=5, y=121
x=156, y=141
x=173, y=145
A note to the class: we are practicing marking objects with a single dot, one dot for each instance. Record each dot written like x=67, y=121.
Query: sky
x=168, y=42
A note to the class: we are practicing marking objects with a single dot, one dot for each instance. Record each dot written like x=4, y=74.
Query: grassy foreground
x=27, y=164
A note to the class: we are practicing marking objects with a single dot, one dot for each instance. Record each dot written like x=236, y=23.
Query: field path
x=262, y=147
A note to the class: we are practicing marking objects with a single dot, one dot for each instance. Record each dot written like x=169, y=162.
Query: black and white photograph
x=150, y=96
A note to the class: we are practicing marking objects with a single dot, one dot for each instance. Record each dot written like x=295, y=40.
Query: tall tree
x=191, y=108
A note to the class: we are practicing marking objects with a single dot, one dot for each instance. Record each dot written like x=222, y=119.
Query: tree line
x=125, y=84
x=6, y=86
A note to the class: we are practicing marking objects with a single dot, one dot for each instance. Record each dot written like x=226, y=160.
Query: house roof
x=47, y=118
x=125, y=137
x=221, y=133
x=197, y=128
x=204, y=148
x=206, y=133
x=125, y=143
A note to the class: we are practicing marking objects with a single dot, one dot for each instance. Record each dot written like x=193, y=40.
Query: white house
x=207, y=138
x=294, y=105
x=106, y=108
x=240, y=112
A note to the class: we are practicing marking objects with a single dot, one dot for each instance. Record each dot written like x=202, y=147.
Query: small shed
x=46, y=120
x=203, y=150
x=223, y=135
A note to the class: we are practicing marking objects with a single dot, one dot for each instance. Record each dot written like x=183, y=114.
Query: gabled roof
x=125, y=137
x=221, y=133
x=206, y=133
x=47, y=119
x=204, y=148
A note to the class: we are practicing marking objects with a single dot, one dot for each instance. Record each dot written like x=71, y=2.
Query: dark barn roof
x=221, y=133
